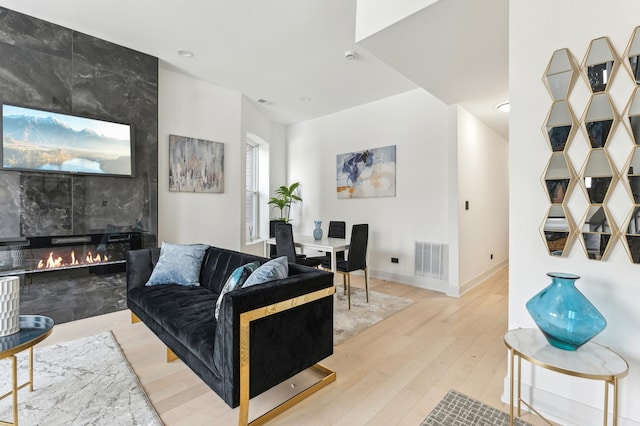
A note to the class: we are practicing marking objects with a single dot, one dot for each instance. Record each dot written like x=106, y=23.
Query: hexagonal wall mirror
x=560, y=74
x=557, y=178
x=633, y=115
x=600, y=119
x=557, y=231
x=598, y=176
x=632, y=234
x=596, y=232
x=559, y=126
x=600, y=64
x=633, y=55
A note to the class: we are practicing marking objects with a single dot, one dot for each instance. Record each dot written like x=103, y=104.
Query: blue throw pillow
x=235, y=280
x=274, y=269
x=178, y=264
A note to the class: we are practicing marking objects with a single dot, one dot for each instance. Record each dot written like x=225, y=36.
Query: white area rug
x=82, y=382
x=348, y=323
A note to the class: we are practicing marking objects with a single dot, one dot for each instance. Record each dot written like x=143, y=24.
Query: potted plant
x=285, y=197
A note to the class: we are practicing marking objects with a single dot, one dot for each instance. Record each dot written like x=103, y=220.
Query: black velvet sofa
x=289, y=322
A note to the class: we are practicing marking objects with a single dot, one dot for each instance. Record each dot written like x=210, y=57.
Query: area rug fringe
x=87, y=381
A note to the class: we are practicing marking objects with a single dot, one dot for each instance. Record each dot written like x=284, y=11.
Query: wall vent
x=432, y=260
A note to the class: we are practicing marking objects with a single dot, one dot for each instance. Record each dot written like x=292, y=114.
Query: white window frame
x=252, y=227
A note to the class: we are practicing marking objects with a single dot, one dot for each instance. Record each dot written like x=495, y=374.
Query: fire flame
x=54, y=261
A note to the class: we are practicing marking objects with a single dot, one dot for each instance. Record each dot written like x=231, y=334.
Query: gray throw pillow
x=178, y=264
x=274, y=269
x=235, y=280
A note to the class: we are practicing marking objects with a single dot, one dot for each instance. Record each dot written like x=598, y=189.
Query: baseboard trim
x=482, y=277
x=422, y=282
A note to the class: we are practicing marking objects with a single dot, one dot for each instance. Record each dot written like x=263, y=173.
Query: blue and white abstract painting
x=368, y=173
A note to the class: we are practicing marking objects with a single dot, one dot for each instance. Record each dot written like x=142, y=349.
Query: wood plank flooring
x=393, y=373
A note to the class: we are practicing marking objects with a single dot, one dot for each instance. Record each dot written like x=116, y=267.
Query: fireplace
x=106, y=252
x=70, y=277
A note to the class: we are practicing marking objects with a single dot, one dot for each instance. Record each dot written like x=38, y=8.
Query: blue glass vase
x=564, y=315
x=317, y=232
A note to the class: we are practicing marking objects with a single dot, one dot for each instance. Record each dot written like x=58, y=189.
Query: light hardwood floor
x=392, y=373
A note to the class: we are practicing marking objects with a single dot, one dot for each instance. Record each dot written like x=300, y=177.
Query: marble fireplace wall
x=43, y=65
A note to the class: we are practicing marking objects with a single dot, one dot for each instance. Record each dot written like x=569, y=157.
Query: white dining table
x=330, y=245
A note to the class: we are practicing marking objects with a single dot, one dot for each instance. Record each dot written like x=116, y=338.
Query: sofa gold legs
x=134, y=318
x=329, y=376
x=171, y=356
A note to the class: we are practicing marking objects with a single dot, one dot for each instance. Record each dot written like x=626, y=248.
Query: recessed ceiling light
x=185, y=53
x=503, y=107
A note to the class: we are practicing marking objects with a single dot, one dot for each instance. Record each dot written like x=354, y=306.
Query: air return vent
x=432, y=260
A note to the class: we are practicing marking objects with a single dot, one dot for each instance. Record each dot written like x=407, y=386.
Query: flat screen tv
x=45, y=141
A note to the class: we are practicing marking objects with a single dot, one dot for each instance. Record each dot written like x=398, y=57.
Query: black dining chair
x=286, y=247
x=337, y=229
x=356, y=259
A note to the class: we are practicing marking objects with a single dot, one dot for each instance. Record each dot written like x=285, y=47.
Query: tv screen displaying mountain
x=45, y=141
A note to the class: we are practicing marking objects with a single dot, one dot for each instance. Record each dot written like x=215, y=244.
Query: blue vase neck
x=561, y=278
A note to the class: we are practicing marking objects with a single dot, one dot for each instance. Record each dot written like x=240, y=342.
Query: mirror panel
x=596, y=232
x=557, y=231
x=560, y=74
x=598, y=176
x=632, y=235
x=559, y=126
x=633, y=55
x=557, y=178
x=600, y=64
x=599, y=119
x=634, y=116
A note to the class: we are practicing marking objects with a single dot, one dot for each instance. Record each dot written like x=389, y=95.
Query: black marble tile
x=102, y=93
x=102, y=201
x=115, y=58
x=72, y=294
x=9, y=204
x=21, y=30
x=47, y=204
x=34, y=79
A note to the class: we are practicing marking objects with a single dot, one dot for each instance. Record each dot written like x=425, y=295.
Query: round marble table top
x=590, y=361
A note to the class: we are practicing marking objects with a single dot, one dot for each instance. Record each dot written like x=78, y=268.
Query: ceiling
x=291, y=53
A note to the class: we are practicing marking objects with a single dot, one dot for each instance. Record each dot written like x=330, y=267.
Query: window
x=252, y=214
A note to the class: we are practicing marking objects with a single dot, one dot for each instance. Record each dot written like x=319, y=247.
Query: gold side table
x=590, y=361
x=33, y=330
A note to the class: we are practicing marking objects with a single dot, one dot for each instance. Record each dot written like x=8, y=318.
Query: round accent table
x=33, y=330
x=590, y=361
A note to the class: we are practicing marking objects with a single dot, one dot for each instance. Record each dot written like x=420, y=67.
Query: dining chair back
x=285, y=246
x=337, y=229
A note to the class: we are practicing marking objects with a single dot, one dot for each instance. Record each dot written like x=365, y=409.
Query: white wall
x=417, y=123
x=483, y=181
x=189, y=107
x=537, y=29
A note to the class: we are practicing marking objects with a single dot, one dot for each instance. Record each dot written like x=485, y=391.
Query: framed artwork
x=366, y=174
x=195, y=165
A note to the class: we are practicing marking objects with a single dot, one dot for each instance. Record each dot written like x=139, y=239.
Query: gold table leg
x=14, y=365
x=511, y=389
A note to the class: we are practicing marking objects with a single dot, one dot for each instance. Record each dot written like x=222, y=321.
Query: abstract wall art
x=366, y=174
x=195, y=165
